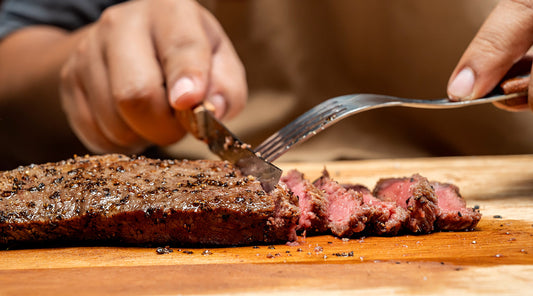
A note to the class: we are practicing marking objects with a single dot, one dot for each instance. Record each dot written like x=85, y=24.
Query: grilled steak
x=117, y=199
x=346, y=213
x=120, y=200
x=312, y=202
x=414, y=194
x=384, y=218
x=454, y=215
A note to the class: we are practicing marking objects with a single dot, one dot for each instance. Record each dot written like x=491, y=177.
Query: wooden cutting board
x=497, y=258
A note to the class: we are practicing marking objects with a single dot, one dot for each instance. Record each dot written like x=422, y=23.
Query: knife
x=202, y=124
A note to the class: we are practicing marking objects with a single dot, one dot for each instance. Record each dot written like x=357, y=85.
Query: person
x=117, y=74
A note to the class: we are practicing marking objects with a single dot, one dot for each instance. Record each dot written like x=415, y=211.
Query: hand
x=138, y=64
x=503, y=40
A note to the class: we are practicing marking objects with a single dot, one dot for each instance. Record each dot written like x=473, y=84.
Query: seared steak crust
x=414, y=194
x=118, y=199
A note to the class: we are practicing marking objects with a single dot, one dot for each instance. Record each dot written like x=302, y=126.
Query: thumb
x=503, y=39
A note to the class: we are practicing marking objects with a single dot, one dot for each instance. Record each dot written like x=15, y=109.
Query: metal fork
x=333, y=110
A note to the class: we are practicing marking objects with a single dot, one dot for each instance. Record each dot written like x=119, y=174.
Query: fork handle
x=518, y=84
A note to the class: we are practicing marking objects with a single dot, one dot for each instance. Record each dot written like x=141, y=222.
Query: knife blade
x=201, y=123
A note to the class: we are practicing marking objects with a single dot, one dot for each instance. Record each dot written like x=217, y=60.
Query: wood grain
x=496, y=258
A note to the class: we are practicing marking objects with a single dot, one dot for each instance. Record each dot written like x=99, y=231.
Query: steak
x=117, y=199
x=346, y=213
x=312, y=202
x=384, y=218
x=454, y=215
x=414, y=194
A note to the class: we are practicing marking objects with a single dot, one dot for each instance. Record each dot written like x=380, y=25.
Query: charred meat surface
x=414, y=194
x=454, y=215
x=312, y=202
x=117, y=199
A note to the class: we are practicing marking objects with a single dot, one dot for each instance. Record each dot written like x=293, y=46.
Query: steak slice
x=414, y=194
x=117, y=199
x=384, y=218
x=313, y=205
x=346, y=212
x=454, y=215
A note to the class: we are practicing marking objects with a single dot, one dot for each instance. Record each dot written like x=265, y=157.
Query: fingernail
x=184, y=86
x=219, y=103
x=462, y=86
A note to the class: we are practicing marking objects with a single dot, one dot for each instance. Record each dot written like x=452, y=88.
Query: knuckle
x=120, y=15
x=67, y=80
x=76, y=61
x=492, y=43
x=65, y=73
x=81, y=49
x=110, y=16
x=185, y=45
x=136, y=95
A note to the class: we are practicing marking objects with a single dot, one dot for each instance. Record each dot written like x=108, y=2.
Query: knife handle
x=193, y=120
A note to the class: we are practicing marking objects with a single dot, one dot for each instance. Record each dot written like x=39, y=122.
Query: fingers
x=228, y=89
x=228, y=92
x=503, y=39
x=137, y=83
x=184, y=51
x=94, y=78
x=199, y=63
x=79, y=114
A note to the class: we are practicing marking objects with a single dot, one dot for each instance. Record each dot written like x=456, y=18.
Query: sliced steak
x=454, y=215
x=117, y=199
x=385, y=218
x=313, y=205
x=414, y=194
x=346, y=212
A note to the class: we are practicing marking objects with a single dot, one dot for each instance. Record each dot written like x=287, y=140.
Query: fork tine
x=298, y=130
x=300, y=136
x=291, y=128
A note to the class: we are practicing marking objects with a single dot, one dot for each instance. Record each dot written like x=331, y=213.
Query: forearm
x=31, y=60
x=33, y=125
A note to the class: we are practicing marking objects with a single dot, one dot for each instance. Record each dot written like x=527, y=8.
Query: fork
x=333, y=110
